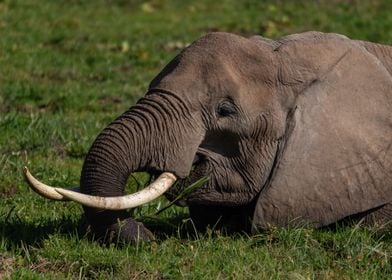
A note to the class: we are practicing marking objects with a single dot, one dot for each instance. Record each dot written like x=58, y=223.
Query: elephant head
x=285, y=131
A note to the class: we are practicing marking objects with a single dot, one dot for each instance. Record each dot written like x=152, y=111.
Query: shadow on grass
x=16, y=232
x=179, y=226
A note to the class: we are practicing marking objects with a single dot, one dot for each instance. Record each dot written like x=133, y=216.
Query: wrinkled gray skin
x=289, y=131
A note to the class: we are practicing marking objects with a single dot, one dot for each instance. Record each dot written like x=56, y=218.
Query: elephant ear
x=337, y=160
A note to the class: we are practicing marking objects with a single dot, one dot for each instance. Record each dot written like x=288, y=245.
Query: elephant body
x=290, y=131
x=337, y=161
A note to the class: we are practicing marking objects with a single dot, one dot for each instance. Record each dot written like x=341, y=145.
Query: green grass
x=67, y=68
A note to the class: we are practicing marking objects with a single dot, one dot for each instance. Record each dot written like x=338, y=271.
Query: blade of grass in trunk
x=184, y=193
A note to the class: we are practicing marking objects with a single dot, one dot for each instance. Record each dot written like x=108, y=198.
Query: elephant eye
x=225, y=109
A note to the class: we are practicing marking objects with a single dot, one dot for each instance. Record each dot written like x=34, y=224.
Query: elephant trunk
x=106, y=169
x=156, y=135
x=159, y=134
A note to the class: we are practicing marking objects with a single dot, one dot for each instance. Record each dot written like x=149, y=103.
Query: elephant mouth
x=200, y=170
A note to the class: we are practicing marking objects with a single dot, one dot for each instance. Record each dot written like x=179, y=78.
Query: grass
x=67, y=68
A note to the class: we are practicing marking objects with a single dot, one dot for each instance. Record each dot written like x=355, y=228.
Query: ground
x=67, y=68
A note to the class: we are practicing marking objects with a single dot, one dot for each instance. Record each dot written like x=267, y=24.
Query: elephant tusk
x=149, y=193
x=45, y=190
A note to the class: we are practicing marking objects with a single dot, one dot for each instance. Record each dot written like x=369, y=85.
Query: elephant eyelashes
x=225, y=109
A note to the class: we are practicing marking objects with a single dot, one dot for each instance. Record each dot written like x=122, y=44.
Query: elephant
x=286, y=132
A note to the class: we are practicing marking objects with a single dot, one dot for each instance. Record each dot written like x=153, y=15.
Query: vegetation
x=67, y=68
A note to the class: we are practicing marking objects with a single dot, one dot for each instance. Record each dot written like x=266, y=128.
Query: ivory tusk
x=149, y=193
x=45, y=190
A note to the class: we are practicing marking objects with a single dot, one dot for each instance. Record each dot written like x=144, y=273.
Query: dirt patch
x=6, y=266
x=107, y=100
x=8, y=192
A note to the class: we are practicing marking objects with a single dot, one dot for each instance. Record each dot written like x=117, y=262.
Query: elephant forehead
x=217, y=64
x=201, y=76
